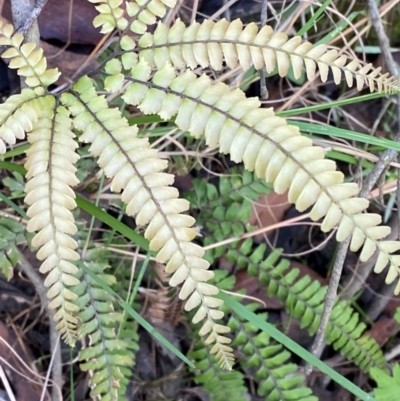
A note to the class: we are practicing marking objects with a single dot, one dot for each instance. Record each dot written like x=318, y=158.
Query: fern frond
x=51, y=174
x=110, y=15
x=225, y=211
x=269, y=146
x=267, y=363
x=219, y=384
x=106, y=355
x=12, y=233
x=304, y=300
x=211, y=43
x=17, y=116
x=135, y=168
x=27, y=59
x=146, y=12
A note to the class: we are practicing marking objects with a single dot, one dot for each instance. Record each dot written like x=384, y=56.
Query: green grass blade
x=314, y=18
x=112, y=222
x=12, y=167
x=339, y=28
x=293, y=346
x=13, y=205
x=143, y=322
x=330, y=105
x=344, y=133
x=19, y=150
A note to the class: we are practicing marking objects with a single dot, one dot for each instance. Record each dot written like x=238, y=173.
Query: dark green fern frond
x=304, y=299
x=239, y=186
x=106, y=355
x=225, y=209
x=219, y=384
x=12, y=233
x=268, y=363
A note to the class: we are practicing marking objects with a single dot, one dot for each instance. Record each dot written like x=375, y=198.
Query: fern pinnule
x=135, y=169
x=211, y=43
x=269, y=146
x=27, y=59
x=51, y=175
x=140, y=12
x=146, y=12
x=110, y=15
x=18, y=114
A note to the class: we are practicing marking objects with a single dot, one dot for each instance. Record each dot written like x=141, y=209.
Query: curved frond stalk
x=212, y=43
x=18, y=114
x=267, y=363
x=304, y=300
x=146, y=12
x=110, y=15
x=106, y=355
x=51, y=175
x=27, y=59
x=12, y=233
x=273, y=149
x=135, y=169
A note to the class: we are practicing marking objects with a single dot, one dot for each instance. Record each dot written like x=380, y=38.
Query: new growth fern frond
x=269, y=146
x=28, y=60
x=51, y=175
x=212, y=43
x=135, y=168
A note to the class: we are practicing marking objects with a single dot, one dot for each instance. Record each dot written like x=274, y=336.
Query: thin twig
x=330, y=299
x=41, y=290
x=263, y=85
x=371, y=180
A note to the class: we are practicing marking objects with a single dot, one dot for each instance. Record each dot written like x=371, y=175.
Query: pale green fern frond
x=140, y=13
x=27, y=59
x=17, y=116
x=51, y=175
x=269, y=146
x=135, y=169
x=212, y=43
x=105, y=355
